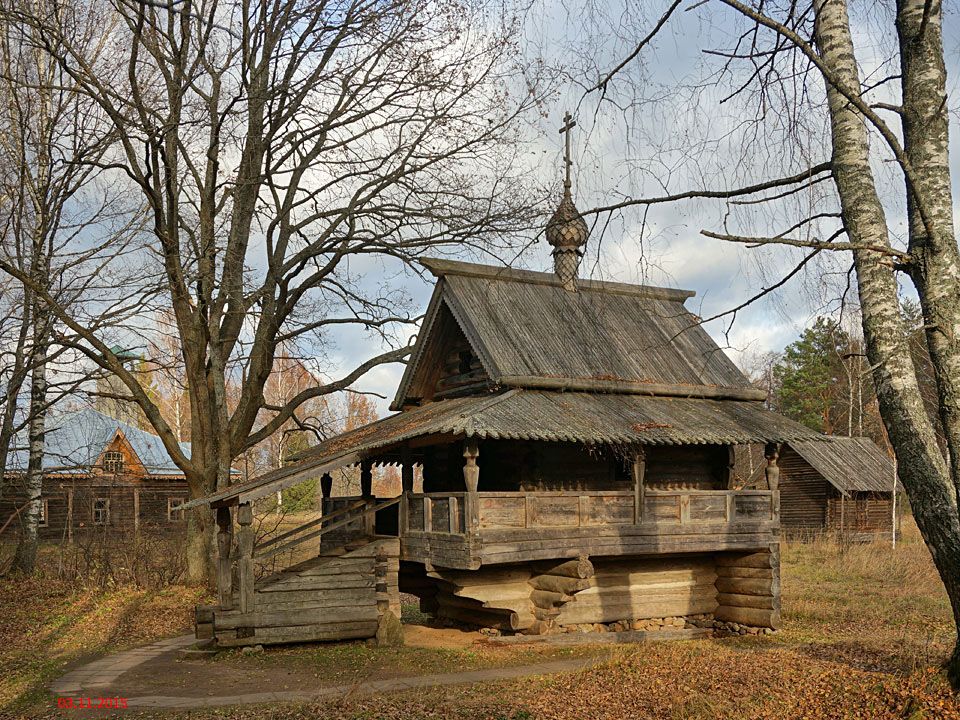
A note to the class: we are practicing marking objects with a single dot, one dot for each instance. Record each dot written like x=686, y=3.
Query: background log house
x=99, y=474
x=842, y=487
x=576, y=449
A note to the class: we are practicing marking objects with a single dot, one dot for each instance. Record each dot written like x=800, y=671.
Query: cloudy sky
x=662, y=129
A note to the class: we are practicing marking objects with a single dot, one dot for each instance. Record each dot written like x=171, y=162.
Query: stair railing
x=347, y=515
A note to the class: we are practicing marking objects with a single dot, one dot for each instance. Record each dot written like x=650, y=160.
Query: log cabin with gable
x=843, y=487
x=100, y=474
x=575, y=440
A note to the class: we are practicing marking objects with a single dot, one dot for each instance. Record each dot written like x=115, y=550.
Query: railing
x=364, y=509
x=436, y=512
x=448, y=512
x=684, y=507
x=563, y=508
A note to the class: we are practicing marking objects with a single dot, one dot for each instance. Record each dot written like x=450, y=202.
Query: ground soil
x=427, y=650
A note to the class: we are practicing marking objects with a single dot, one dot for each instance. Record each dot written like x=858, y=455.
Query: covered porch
x=590, y=474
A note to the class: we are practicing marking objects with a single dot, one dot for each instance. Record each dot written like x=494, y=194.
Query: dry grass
x=874, y=606
x=865, y=629
x=47, y=626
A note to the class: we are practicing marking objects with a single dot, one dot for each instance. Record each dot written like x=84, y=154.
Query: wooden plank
x=554, y=511
x=301, y=633
x=496, y=512
x=290, y=618
x=751, y=507
x=596, y=510
x=708, y=508
x=647, y=530
x=658, y=508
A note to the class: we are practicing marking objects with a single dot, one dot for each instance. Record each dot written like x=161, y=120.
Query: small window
x=175, y=515
x=44, y=512
x=101, y=511
x=113, y=461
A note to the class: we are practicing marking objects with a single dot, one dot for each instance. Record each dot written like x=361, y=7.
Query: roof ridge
x=441, y=267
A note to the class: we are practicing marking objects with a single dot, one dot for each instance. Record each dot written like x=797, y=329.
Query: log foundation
x=608, y=594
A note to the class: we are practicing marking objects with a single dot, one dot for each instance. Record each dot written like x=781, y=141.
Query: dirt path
x=155, y=676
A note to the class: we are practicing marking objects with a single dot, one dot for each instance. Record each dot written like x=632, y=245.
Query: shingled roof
x=528, y=331
x=850, y=464
x=519, y=414
x=610, y=364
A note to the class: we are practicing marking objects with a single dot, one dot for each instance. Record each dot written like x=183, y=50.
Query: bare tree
x=796, y=63
x=281, y=149
x=50, y=144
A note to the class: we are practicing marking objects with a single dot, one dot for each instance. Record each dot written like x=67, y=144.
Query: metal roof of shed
x=73, y=442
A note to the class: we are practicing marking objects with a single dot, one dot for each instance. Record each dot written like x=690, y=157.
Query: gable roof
x=75, y=441
x=850, y=464
x=528, y=331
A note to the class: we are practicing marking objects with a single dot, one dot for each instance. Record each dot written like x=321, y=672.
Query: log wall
x=803, y=495
x=550, y=596
x=135, y=503
x=638, y=589
x=748, y=588
x=862, y=516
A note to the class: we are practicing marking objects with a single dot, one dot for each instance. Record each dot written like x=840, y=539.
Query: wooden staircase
x=344, y=593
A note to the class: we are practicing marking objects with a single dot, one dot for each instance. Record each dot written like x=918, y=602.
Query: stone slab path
x=102, y=673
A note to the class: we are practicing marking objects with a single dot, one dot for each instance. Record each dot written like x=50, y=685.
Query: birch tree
x=797, y=63
x=291, y=156
x=51, y=142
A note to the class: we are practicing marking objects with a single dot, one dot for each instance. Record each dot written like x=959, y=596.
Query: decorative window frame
x=113, y=461
x=106, y=511
x=174, y=516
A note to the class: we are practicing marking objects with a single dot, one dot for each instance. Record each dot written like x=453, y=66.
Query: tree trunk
x=201, y=548
x=25, y=557
x=201, y=554
x=922, y=467
x=933, y=243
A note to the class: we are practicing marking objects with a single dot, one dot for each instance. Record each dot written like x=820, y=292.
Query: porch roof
x=521, y=414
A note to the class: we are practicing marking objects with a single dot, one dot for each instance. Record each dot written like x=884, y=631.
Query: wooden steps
x=340, y=595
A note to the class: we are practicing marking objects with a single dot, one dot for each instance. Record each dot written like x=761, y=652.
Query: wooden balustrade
x=436, y=512
x=445, y=512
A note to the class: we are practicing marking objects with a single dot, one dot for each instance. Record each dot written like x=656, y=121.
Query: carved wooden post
x=639, y=470
x=406, y=483
x=471, y=479
x=772, y=453
x=224, y=565
x=366, y=479
x=245, y=563
x=366, y=490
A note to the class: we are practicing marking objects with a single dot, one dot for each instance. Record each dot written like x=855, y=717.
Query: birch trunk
x=922, y=467
x=933, y=243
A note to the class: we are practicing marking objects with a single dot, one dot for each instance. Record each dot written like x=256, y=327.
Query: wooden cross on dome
x=568, y=124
